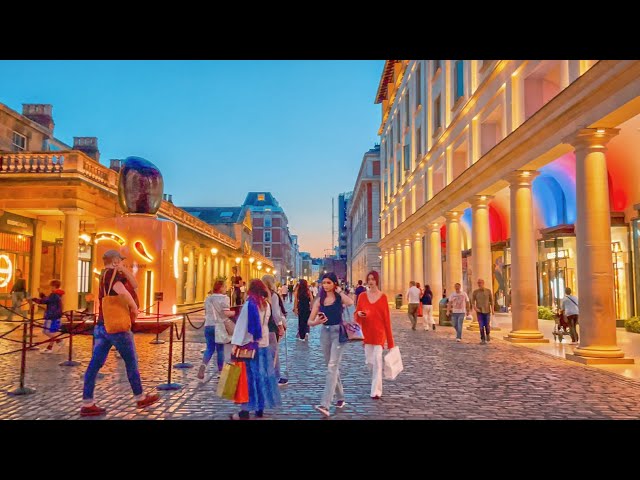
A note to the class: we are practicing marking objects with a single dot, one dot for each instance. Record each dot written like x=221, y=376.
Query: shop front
x=501, y=261
x=16, y=235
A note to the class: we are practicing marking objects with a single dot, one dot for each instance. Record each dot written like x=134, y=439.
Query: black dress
x=304, y=310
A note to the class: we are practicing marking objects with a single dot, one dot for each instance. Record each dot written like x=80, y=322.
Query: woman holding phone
x=372, y=312
x=327, y=311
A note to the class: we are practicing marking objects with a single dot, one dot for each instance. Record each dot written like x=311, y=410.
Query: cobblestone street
x=442, y=379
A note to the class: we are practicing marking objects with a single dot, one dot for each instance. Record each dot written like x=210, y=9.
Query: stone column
x=418, y=260
x=391, y=289
x=208, y=282
x=434, y=263
x=70, y=258
x=200, y=277
x=385, y=272
x=399, y=276
x=408, y=274
x=190, y=294
x=36, y=260
x=454, y=251
x=180, y=279
x=524, y=296
x=597, y=328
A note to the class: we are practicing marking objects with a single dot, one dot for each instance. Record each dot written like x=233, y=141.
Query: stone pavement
x=442, y=380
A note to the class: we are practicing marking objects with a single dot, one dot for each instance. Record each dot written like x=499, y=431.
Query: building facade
x=343, y=206
x=51, y=197
x=271, y=234
x=517, y=172
x=363, y=220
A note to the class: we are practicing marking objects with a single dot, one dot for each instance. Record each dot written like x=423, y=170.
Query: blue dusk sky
x=218, y=129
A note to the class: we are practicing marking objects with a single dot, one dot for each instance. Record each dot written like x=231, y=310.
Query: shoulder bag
x=115, y=310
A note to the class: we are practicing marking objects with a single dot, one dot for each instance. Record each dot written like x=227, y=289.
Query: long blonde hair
x=270, y=282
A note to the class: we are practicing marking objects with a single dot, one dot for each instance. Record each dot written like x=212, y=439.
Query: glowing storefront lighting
x=174, y=309
x=268, y=270
x=274, y=272
x=6, y=270
x=140, y=249
x=85, y=237
x=110, y=236
x=176, y=267
x=185, y=259
x=214, y=251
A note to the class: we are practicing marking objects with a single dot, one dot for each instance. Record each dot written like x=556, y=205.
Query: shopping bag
x=354, y=332
x=392, y=364
x=228, y=382
x=419, y=314
x=242, y=390
x=494, y=323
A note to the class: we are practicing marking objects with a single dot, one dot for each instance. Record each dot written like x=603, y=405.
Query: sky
x=219, y=129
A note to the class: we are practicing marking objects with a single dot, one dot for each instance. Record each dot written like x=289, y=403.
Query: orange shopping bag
x=242, y=392
x=420, y=309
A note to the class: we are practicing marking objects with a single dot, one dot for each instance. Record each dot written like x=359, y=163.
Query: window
x=267, y=235
x=418, y=143
x=398, y=128
x=398, y=171
x=226, y=214
x=267, y=221
x=407, y=156
x=418, y=87
x=267, y=251
x=261, y=197
x=437, y=115
x=458, y=80
x=19, y=141
x=436, y=66
x=407, y=111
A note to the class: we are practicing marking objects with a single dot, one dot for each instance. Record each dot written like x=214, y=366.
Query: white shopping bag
x=392, y=364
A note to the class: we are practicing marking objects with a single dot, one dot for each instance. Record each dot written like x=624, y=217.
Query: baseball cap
x=113, y=254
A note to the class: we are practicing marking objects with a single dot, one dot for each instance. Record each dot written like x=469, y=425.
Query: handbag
x=244, y=352
x=342, y=334
x=115, y=310
x=228, y=383
x=229, y=326
x=353, y=331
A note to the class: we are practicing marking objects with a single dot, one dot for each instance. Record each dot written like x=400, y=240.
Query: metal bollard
x=169, y=385
x=22, y=390
x=184, y=338
x=157, y=341
x=70, y=362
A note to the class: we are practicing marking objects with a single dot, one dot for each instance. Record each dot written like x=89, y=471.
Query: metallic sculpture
x=140, y=186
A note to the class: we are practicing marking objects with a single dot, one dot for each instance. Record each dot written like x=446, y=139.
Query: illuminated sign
x=140, y=250
x=6, y=270
x=109, y=236
x=561, y=254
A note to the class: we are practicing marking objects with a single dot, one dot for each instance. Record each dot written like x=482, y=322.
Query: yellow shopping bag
x=228, y=382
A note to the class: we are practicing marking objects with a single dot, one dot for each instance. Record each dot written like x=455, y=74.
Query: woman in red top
x=372, y=312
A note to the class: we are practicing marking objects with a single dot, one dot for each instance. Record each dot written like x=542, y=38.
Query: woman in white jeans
x=372, y=312
x=427, y=308
x=327, y=311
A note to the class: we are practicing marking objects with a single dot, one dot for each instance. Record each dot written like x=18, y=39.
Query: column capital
x=480, y=201
x=407, y=241
x=71, y=211
x=419, y=233
x=452, y=216
x=591, y=138
x=399, y=247
x=521, y=177
x=434, y=227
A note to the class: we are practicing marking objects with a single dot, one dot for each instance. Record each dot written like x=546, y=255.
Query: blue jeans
x=273, y=346
x=212, y=346
x=457, y=319
x=332, y=350
x=125, y=346
x=483, y=322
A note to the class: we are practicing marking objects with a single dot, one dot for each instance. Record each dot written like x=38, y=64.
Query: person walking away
x=123, y=341
x=482, y=303
x=359, y=289
x=458, y=307
x=290, y=289
x=302, y=308
x=427, y=308
x=372, y=312
x=217, y=310
x=236, y=283
x=52, y=315
x=276, y=324
x=251, y=332
x=413, y=299
x=18, y=294
x=327, y=311
x=571, y=311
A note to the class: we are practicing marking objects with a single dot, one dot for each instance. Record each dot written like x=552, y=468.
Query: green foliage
x=632, y=325
x=546, y=313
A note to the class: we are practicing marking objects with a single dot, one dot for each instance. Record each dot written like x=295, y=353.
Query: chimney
x=115, y=164
x=39, y=113
x=88, y=145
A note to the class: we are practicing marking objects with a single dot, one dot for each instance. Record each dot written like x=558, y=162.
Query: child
x=52, y=314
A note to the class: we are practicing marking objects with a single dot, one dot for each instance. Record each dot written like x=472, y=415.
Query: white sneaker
x=306, y=337
x=458, y=340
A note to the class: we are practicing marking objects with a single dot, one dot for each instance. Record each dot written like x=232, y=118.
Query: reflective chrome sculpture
x=140, y=186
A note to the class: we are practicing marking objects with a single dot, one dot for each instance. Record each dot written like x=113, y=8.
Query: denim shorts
x=52, y=326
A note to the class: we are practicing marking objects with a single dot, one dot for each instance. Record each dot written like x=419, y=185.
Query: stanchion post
x=22, y=390
x=32, y=312
x=184, y=338
x=169, y=385
x=70, y=362
x=157, y=341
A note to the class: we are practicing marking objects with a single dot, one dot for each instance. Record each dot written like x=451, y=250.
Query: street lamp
x=251, y=259
x=185, y=260
x=238, y=260
x=259, y=266
x=274, y=273
x=268, y=269
x=214, y=251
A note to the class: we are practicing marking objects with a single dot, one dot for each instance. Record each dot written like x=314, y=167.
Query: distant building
x=363, y=225
x=343, y=200
x=271, y=231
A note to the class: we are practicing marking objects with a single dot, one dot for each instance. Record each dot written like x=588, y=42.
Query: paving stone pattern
x=442, y=379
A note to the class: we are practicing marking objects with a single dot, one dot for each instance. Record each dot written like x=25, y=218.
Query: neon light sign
x=6, y=270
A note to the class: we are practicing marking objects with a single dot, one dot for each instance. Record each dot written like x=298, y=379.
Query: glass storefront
x=15, y=254
x=501, y=261
x=556, y=269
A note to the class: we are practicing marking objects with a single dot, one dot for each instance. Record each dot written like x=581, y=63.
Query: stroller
x=561, y=327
